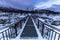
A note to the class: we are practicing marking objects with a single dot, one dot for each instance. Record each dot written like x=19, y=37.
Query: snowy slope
x=54, y=8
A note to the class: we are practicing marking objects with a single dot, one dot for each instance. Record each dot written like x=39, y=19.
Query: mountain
x=9, y=9
x=54, y=8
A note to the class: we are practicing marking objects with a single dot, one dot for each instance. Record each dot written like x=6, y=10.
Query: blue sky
x=41, y=4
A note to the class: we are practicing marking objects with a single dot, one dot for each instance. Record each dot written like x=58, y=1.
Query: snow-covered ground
x=11, y=18
x=49, y=22
x=14, y=18
x=39, y=35
x=52, y=17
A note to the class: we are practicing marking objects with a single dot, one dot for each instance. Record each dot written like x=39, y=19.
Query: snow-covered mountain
x=54, y=8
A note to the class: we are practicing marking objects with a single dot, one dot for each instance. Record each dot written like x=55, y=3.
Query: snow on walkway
x=39, y=35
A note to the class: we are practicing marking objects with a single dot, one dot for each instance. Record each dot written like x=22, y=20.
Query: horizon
x=31, y=4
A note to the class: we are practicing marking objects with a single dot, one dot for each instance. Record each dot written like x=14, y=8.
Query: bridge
x=30, y=28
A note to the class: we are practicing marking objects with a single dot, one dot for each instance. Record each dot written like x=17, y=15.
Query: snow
x=3, y=32
x=54, y=27
x=57, y=27
x=4, y=17
x=2, y=26
x=4, y=29
x=18, y=37
x=54, y=18
x=1, y=13
x=21, y=16
x=41, y=19
x=14, y=20
x=39, y=35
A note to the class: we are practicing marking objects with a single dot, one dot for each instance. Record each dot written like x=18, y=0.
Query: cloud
x=47, y=4
x=42, y=4
x=4, y=3
x=17, y=3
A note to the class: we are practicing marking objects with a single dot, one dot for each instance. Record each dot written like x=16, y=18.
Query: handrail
x=6, y=32
x=48, y=31
x=50, y=26
x=23, y=26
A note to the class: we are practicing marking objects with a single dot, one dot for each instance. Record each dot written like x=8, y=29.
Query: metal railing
x=48, y=31
x=4, y=34
x=12, y=30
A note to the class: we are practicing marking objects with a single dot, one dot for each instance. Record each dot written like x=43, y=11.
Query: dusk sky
x=42, y=4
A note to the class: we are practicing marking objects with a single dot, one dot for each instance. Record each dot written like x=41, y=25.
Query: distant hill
x=54, y=8
x=7, y=9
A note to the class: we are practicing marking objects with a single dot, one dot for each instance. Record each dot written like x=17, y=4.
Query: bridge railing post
x=38, y=23
x=49, y=32
x=11, y=31
x=5, y=34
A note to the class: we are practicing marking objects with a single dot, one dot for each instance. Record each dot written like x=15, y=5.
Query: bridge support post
x=16, y=29
x=38, y=23
x=59, y=37
x=20, y=24
x=43, y=30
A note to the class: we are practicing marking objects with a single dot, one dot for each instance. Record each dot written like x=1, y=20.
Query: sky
x=32, y=4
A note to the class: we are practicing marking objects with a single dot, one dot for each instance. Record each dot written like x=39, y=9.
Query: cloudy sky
x=42, y=4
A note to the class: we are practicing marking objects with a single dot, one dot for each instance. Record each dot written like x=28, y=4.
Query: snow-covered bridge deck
x=30, y=31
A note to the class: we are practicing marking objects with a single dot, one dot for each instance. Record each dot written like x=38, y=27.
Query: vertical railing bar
x=43, y=30
x=59, y=37
x=3, y=36
x=15, y=30
x=51, y=35
x=38, y=23
x=10, y=32
x=6, y=34
x=20, y=23
x=55, y=36
x=52, y=32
